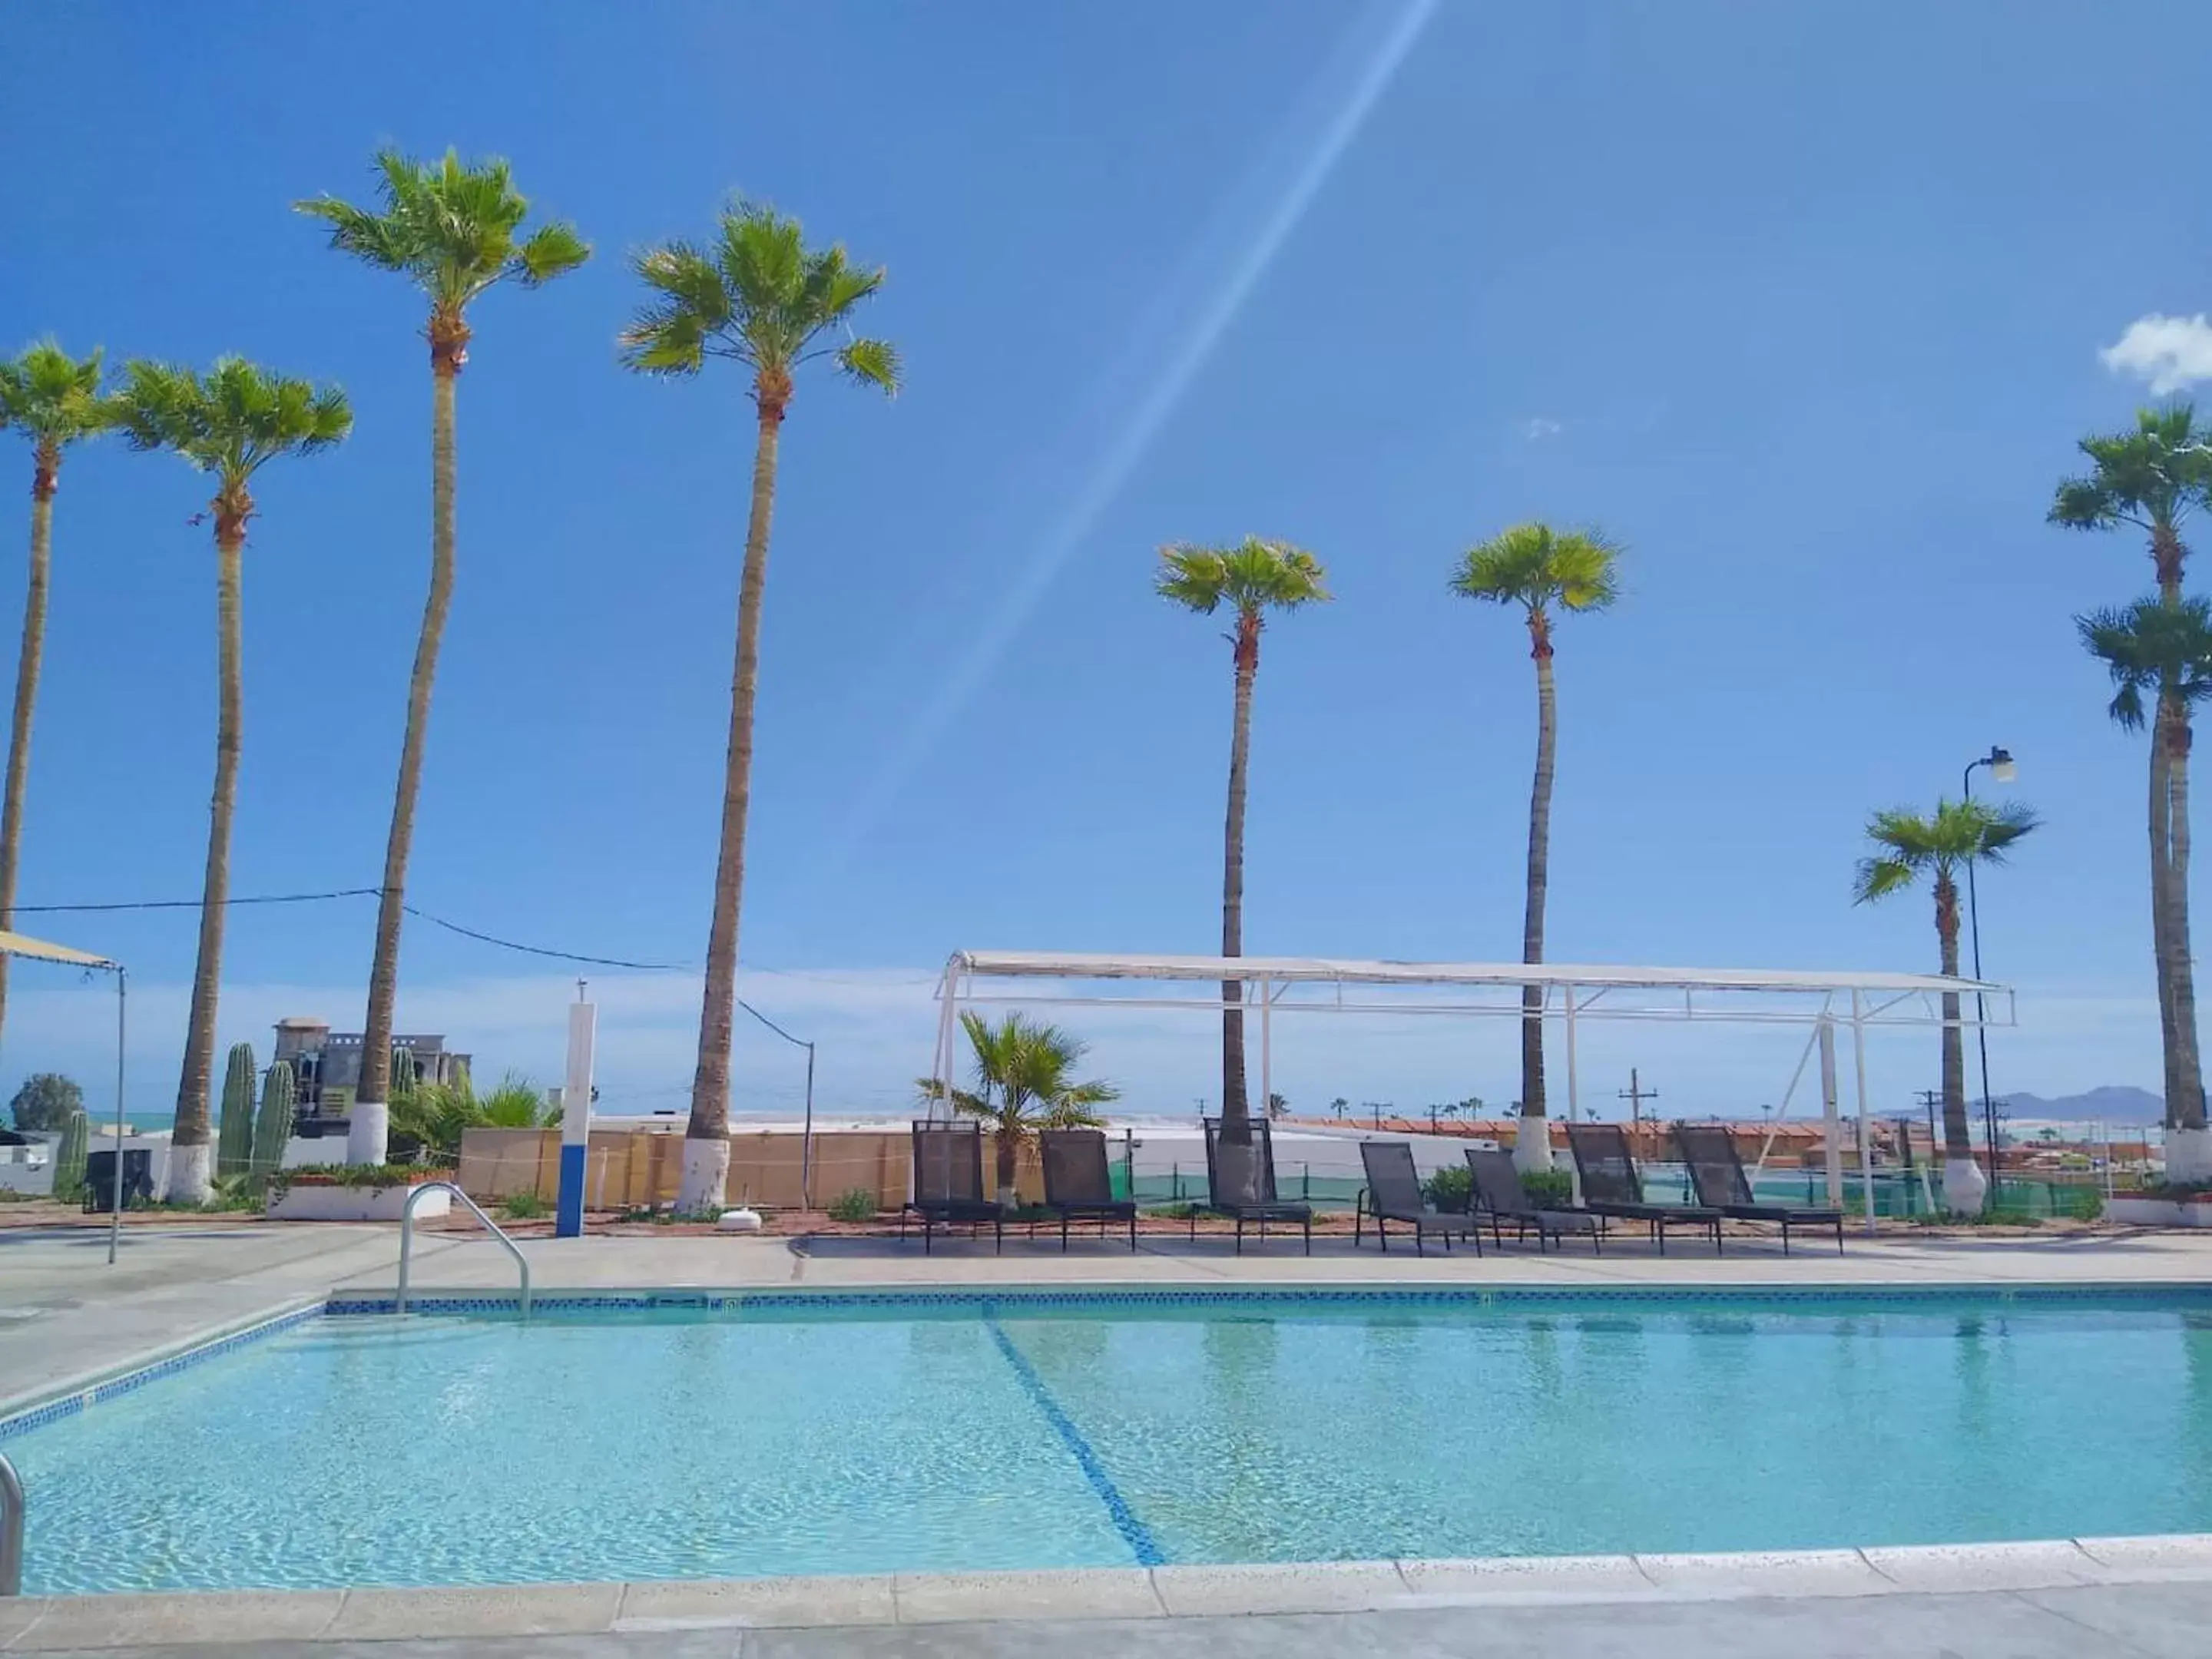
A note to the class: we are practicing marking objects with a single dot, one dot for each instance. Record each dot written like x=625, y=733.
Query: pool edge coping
x=230, y=1617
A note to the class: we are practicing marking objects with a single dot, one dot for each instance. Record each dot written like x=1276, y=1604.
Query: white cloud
x=1539, y=427
x=2169, y=352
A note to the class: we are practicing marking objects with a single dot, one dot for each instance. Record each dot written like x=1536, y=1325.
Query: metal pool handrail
x=407, y=1240
x=11, y=1530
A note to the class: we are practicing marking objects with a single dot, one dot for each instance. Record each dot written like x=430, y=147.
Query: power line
x=366, y=892
x=194, y=904
x=540, y=950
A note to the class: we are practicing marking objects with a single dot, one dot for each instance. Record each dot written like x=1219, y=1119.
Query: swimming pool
x=760, y=1434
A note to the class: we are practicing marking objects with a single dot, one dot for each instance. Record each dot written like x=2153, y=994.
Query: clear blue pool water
x=365, y=1450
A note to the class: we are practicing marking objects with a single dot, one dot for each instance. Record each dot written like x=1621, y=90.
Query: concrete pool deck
x=65, y=1315
x=2021, y=1601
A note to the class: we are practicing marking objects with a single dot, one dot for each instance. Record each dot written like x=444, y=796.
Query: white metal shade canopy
x=1569, y=991
x=38, y=949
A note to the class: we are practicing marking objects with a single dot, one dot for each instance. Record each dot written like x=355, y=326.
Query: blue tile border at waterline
x=1133, y=1532
x=83, y=1398
x=1022, y=1299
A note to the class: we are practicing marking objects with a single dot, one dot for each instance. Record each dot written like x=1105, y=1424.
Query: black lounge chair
x=948, y=1182
x=1611, y=1187
x=1717, y=1172
x=1240, y=1181
x=1394, y=1194
x=1077, y=1185
x=1496, y=1191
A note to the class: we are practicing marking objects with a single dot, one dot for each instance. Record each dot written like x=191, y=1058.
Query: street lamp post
x=2001, y=770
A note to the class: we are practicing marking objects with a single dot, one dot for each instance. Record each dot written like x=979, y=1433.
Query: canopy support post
x=1866, y=1137
x=115, y=1216
x=1266, y=1050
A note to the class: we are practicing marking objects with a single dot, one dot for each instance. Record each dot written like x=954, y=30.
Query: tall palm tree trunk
x=45, y=477
x=1964, y=1186
x=366, y=1134
x=188, y=1176
x=1236, y=1105
x=707, y=1136
x=2189, y=1146
x=2161, y=820
x=1532, y=1143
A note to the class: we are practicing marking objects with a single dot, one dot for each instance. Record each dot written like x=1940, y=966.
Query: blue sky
x=1805, y=305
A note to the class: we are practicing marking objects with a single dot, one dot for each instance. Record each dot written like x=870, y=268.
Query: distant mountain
x=2115, y=1103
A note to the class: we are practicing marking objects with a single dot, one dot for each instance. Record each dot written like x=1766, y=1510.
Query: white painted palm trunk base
x=2189, y=1155
x=368, y=1132
x=1964, y=1186
x=1531, y=1143
x=706, y=1179
x=189, y=1178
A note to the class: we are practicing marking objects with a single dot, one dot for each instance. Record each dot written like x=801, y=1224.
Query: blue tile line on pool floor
x=1133, y=1532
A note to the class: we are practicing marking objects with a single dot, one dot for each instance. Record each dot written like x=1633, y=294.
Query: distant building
x=326, y=1065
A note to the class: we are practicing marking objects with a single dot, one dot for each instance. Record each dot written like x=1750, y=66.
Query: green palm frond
x=233, y=420
x=758, y=295
x=2153, y=476
x=1536, y=567
x=2152, y=648
x=872, y=363
x=1024, y=1080
x=1252, y=577
x=1959, y=832
x=52, y=398
x=450, y=226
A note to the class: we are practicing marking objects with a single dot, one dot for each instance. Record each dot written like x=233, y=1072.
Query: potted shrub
x=353, y=1192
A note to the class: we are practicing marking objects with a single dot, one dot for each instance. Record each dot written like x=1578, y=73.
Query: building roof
x=1046, y=965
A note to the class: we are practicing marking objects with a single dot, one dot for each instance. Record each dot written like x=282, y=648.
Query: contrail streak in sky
x=1135, y=434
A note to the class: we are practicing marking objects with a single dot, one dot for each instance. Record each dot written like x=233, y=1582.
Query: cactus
x=405, y=1074
x=234, y=1149
x=69, y=1155
x=273, y=1128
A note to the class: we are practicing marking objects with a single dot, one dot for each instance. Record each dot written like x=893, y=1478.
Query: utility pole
x=1931, y=1098
x=1635, y=1094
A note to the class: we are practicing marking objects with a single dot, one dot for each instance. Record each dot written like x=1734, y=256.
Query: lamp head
x=2000, y=765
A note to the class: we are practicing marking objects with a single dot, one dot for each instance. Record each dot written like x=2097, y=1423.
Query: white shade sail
x=37, y=949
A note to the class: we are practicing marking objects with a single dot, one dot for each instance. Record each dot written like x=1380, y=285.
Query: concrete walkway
x=2147, y=1620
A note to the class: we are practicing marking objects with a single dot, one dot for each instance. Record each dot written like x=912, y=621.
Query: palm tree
x=2153, y=478
x=231, y=422
x=1959, y=833
x=451, y=229
x=55, y=400
x=1539, y=569
x=759, y=296
x=2165, y=650
x=1023, y=1084
x=1254, y=577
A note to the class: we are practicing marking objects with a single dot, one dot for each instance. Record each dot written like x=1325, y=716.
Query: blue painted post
x=576, y=1118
